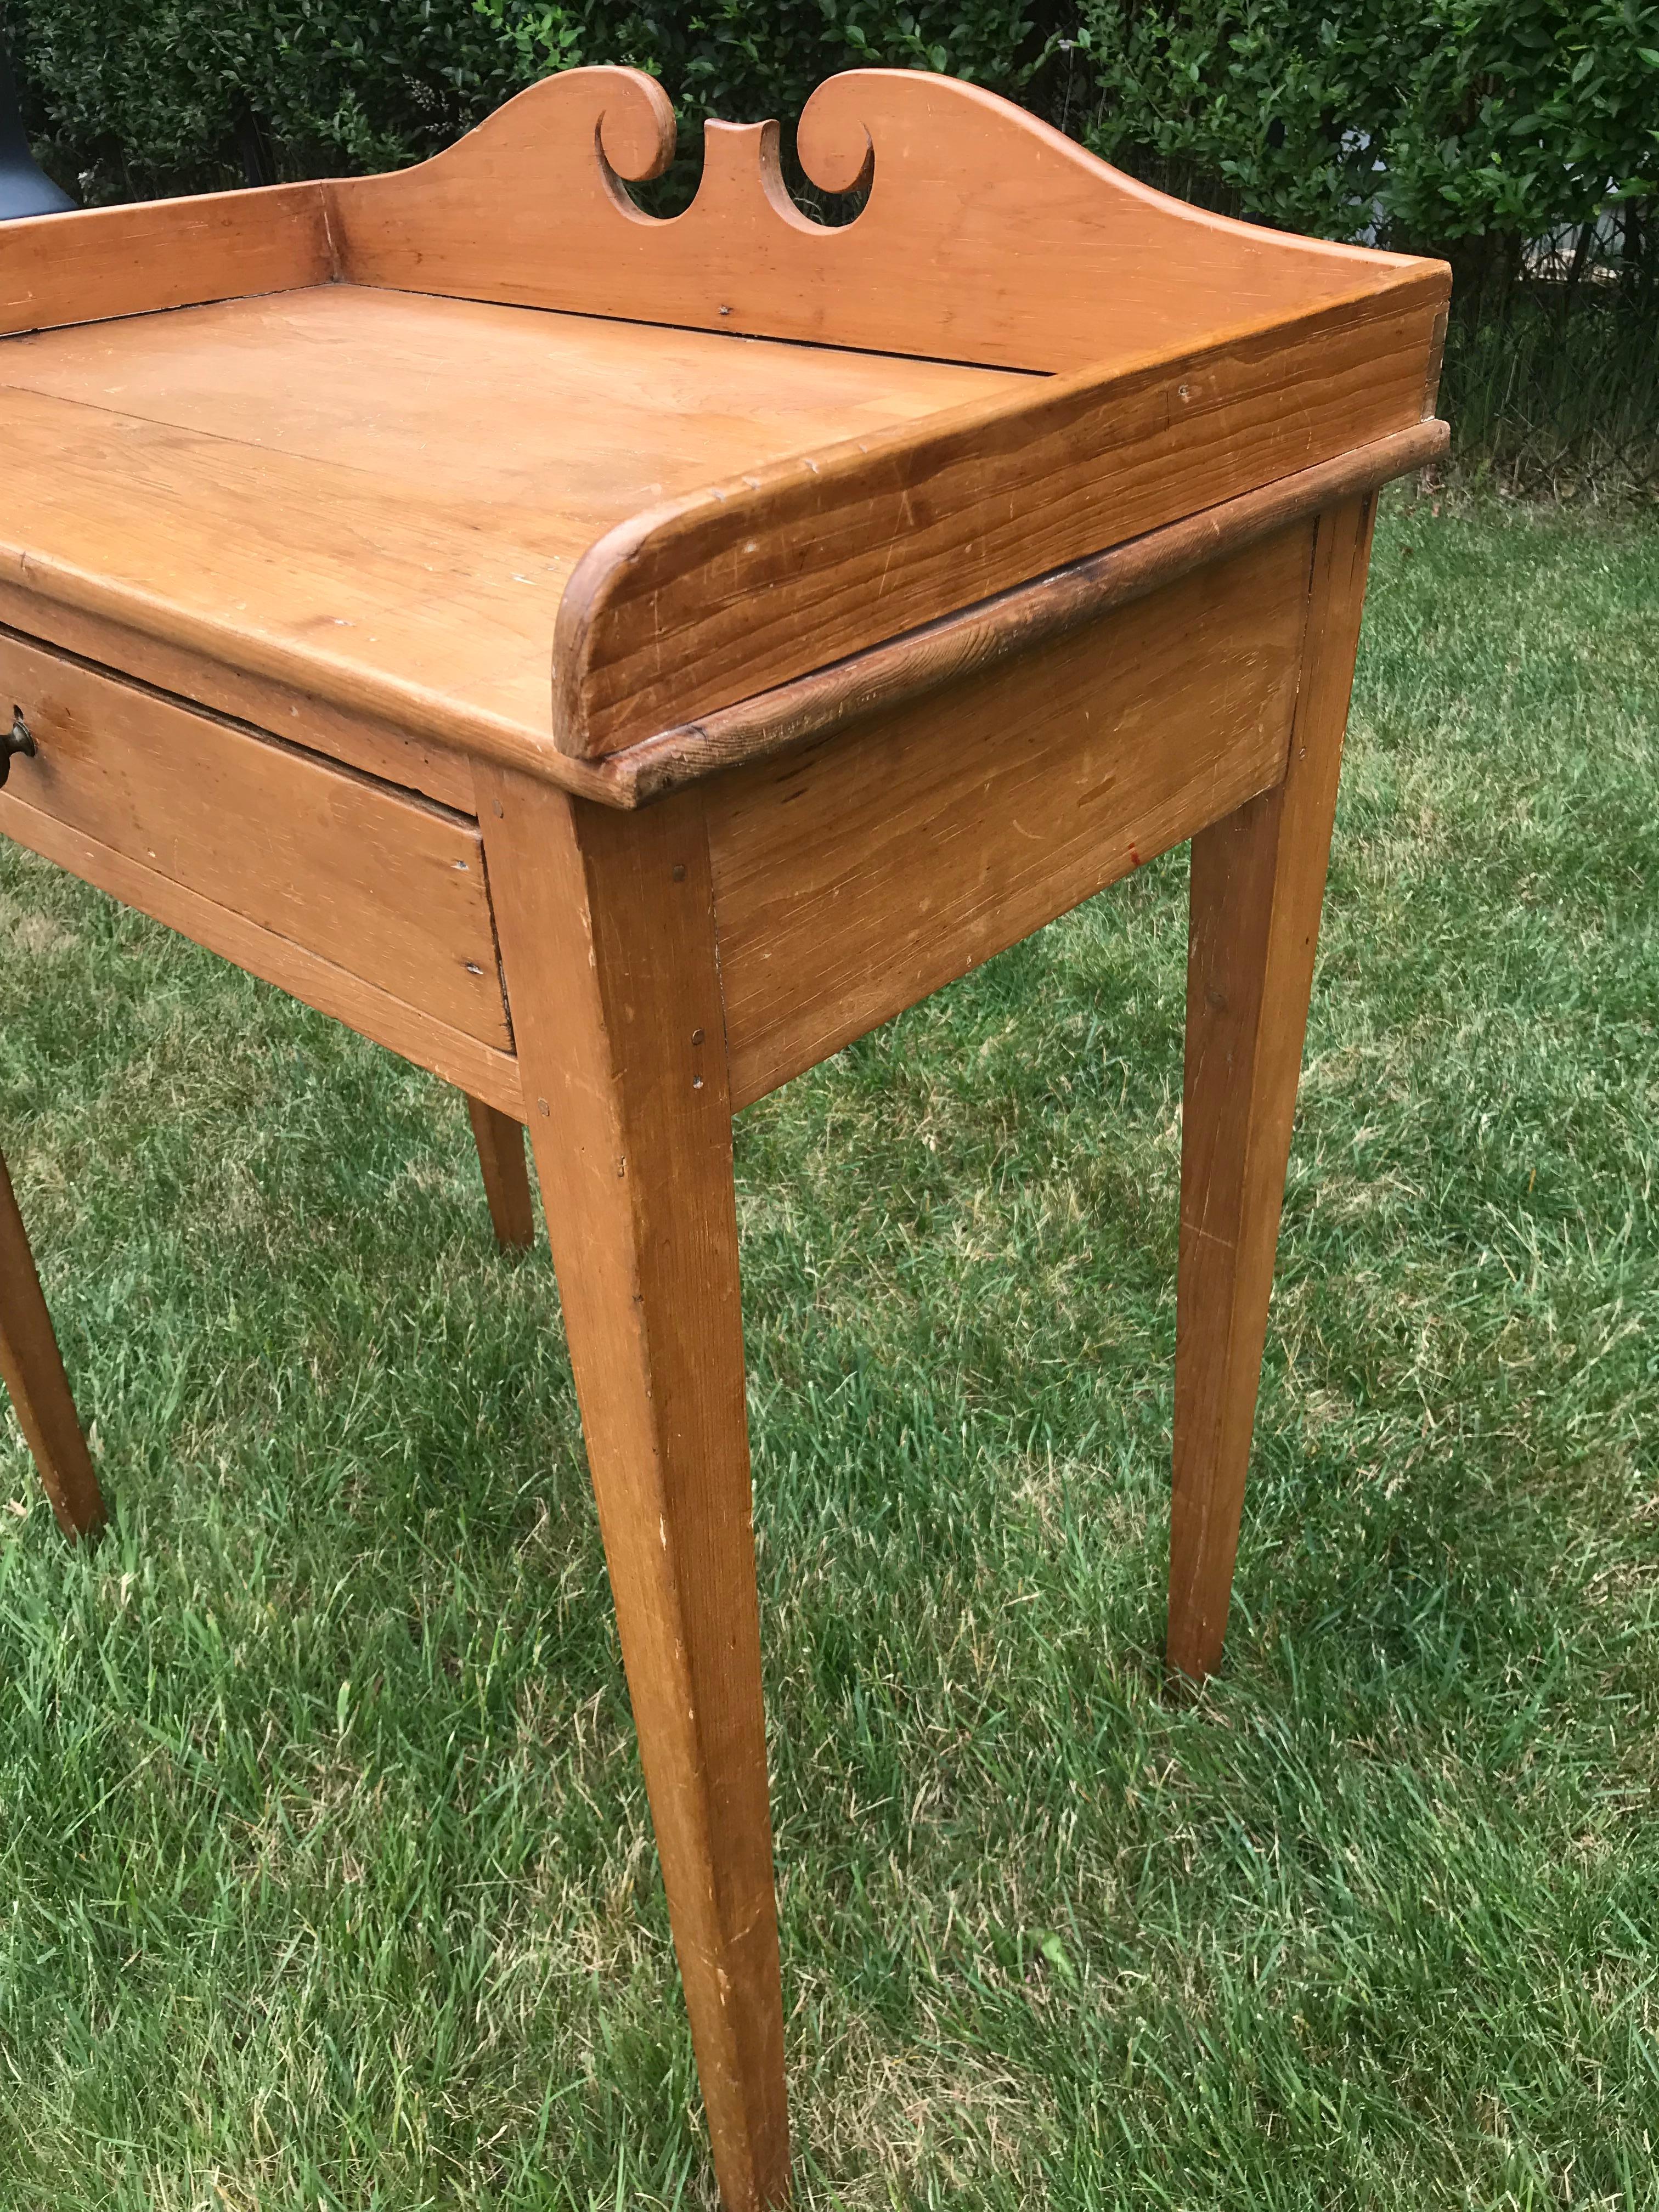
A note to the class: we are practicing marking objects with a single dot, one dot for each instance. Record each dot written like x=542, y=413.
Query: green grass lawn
x=325, y=1874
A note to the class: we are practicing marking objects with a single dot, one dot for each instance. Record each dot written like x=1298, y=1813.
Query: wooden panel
x=358, y=502
x=386, y=886
x=450, y=1053
x=987, y=236
x=982, y=637
x=564, y=424
x=377, y=747
x=853, y=878
x=100, y=262
x=732, y=590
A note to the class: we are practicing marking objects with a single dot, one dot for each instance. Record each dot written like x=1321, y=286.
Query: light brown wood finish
x=99, y=261
x=982, y=637
x=855, y=877
x=32, y=1371
x=732, y=541
x=417, y=523
x=767, y=722
x=1258, y=880
x=389, y=887
x=608, y=939
x=483, y=620
x=379, y=749
x=925, y=573
x=987, y=236
x=733, y=589
x=500, y=1140
x=449, y=1053
x=363, y=379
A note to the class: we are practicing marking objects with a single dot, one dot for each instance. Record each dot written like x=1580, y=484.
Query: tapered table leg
x=1258, y=881
x=607, y=940
x=505, y=1176
x=33, y=1372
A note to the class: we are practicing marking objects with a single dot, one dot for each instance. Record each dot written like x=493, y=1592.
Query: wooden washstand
x=615, y=662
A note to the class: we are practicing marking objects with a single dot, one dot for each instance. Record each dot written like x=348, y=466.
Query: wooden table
x=615, y=662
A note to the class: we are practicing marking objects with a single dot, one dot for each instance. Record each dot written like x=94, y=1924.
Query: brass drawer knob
x=20, y=739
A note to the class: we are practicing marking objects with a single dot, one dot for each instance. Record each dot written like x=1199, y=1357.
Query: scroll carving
x=985, y=237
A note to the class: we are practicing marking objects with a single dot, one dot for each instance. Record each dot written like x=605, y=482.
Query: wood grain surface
x=1013, y=623
x=986, y=235
x=96, y=263
x=370, y=880
x=379, y=748
x=452, y=1054
x=607, y=937
x=500, y=1140
x=360, y=505
x=32, y=1370
x=733, y=590
x=364, y=502
x=384, y=591
x=1258, y=883
x=855, y=877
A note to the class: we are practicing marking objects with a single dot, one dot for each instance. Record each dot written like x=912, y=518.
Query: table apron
x=855, y=876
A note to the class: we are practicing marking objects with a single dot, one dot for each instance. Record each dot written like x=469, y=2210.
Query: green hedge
x=1469, y=128
x=148, y=95
x=1437, y=126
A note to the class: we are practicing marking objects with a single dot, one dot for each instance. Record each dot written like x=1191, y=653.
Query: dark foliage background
x=1520, y=140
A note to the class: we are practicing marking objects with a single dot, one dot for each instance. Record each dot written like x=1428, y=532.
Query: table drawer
x=222, y=832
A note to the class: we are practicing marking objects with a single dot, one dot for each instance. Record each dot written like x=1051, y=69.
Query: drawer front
x=371, y=883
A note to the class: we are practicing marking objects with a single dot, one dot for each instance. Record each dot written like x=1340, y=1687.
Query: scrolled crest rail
x=987, y=236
